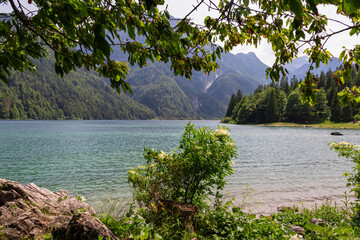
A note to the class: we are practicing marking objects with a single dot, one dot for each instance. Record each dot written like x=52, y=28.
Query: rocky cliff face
x=31, y=212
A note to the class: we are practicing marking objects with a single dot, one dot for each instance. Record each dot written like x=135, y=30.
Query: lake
x=276, y=165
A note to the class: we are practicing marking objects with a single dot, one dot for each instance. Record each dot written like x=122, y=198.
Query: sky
x=180, y=8
x=264, y=52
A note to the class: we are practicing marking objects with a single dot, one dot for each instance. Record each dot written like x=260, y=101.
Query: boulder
x=299, y=230
x=30, y=211
x=317, y=221
x=336, y=133
x=83, y=227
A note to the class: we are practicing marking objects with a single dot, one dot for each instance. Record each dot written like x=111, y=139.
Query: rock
x=298, y=230
x=284, y=208
x=83, y=227
x=317, y=221
x=30, y=211
x=336, y=133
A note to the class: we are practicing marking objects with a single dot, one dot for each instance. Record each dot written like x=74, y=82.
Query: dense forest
x=282, y=102
x=79, y=95
x=157, y=93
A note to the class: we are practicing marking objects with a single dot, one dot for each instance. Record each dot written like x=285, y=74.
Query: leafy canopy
x=84, y=33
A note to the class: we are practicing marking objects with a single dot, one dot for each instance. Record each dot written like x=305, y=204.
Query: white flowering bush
x=348, y=150
x=187, y=176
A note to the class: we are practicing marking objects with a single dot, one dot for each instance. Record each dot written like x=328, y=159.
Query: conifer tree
x=347, y=114
x=329, y=78
x=322, y=80
x=232, y=103
x=272, y=108
x=294, y=84
x=281, y=99
x=321, y=109
x=336, y=110
x=284, y=85
x=239, y=96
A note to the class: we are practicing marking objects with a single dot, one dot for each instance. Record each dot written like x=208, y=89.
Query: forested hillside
x=157, y=93
x=152, y=88
x=79, y=95
x=282, y=102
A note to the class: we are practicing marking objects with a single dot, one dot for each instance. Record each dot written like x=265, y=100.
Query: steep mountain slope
x=205, y=96
x=248, y=65
x=79, y=95
x=152, y=88
x=229, y=83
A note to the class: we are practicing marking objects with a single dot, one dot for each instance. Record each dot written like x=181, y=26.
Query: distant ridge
x=157, y=92
x=301, y=65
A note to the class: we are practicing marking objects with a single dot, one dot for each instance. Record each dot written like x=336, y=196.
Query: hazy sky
x=264, y=52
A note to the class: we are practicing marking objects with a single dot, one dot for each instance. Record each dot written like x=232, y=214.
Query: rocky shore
x=33, y=212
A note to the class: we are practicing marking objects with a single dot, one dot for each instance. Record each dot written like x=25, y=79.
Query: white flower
x=161, y=155
x=221, y=132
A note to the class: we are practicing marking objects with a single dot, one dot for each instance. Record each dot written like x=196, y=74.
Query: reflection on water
x=276, y=165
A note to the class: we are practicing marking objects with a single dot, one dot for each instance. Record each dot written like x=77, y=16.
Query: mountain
x=157, y=93
x=296, y=64
x=301, y=65
x=224, y=86
x=79, y=95
x=152, y=88
x=204, y=96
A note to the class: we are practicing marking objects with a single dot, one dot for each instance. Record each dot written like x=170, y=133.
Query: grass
x=321, y=222
x=326, y=124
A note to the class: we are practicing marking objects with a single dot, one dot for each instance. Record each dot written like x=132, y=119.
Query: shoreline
x=267, y=209
x=325, y=125
x=252, y=204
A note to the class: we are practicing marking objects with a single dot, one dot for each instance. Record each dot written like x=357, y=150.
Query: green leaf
x=103, y=45
x=312, y=6
x=310, y=226
x=297, y=8
x=3, y=77
x=296, y=23
x=351, y=6
x=353, y=31
x=342, y=54
x=131, y=31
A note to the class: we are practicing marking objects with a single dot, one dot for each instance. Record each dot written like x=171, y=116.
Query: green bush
x=182, y=181
x=345, y=149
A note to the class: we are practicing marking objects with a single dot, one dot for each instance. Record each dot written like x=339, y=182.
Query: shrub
x=345, y=149
x=187, y=176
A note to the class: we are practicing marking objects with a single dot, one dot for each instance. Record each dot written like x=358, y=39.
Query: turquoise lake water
x=276, y=165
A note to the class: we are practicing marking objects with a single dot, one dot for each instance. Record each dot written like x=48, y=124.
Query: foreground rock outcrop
x=30, y=212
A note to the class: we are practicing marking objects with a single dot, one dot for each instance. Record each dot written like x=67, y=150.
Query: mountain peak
x=297, y=63
x=251, y=54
